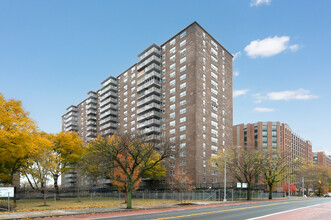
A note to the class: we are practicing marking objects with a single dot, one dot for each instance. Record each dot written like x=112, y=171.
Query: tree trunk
x=270, y=191
x=249, y=193
x=44, y=194
x=129, y=199
x=125, y=196
x=56, y=186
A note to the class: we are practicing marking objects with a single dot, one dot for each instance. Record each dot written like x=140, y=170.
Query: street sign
x=244, y=185
x=238, y=185
x=6, y=191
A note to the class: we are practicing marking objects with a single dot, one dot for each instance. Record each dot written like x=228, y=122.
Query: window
x=172, y=123
x=172, y=66
x=183, y=102
x=182, y=60
x=172, y=82
x=215, y=140
x=173, y=74
x=214, y=44
x=182, y=43
x=182, y=77
x=183, y=163
x=213, y=123
x=182, y=154
x=172, y=58
x=172, y=115
x=213, y=147
x=214, y=59
x=183, y=85
x=183, y=68
x=172, y=42
x=172, y=98
x=133, y=109
x=182, y=137
x=172, y=131
x=183, y=119
x=182, y=94
x=171, y=172
x=183, y=34
x=214, y=91
x=172, y=90
x=182, y=145
x=172, y=107
x=214, y=83
x=214, y=132
x=125, y=100
x=214, y=51
x=172, y=50
x=182, y=128
x=214, y=75
x=214, y=99
x=182, y=51
x=214, y=67
x=213, y=115
x=182, y=111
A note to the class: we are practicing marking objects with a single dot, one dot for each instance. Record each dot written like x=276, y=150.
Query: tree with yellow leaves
x=68, y=148
x=16, y=130
x=129, y=156
x=40, y=163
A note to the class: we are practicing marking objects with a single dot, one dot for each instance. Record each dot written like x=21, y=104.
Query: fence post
x=55, y=200
x=91, y=199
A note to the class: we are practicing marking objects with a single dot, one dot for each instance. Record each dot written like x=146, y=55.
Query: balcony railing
x=152, y=59
x=148, y=83
x=148, y=107
x=149, y=52
x=150, y=130
x=149, y=115
x=147, y=76
x=108, y=119
x=153, y=66
x=149, y=123
x=107, y=113
x=149, y=99
x=149, y=91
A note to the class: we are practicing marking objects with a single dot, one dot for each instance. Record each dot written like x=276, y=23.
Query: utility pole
x=224, y=200
x=303, y=186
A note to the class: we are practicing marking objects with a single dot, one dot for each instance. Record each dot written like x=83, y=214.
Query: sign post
x=7, y=192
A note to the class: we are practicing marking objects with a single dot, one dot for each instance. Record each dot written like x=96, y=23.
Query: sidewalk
x=68, y=212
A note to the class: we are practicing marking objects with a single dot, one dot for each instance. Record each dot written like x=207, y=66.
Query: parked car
x=327, y=195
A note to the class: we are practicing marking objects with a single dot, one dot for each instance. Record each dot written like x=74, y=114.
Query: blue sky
x=53, y=52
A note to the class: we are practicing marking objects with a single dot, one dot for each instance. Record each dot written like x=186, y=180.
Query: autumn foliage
x=292, y=188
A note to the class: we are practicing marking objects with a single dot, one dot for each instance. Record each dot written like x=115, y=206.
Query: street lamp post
x=224, y=200
x=288, y=186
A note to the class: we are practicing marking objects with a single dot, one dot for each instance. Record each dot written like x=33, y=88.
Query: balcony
x=108, y=132
x=107, y=89
x=91, y=106
x=108, y=126
x=71, y=114
x=150, y=130
x=148, y=84
x=108, y=119
x=147, y=76
x=148, y=92
x=152, y=137
x=107, y=101
x=91, y=128
x=72, y=128
x=109, y=81
x=148, y=115
x=149, y=99
x=152, y=59
x=91, y=112
x=148, y=107
x=91, y=134
x=107, y=113
x=73, y=108
x=153, y=50
x=91, y=123
x=91, y=118
x=107, y=107
x=148, y=123
x=153, y=67
x=91, y=101
x=111, y=94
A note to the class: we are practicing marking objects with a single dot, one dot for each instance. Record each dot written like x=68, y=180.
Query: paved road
x=265, y=210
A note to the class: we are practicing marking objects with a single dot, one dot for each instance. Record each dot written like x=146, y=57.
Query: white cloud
x=294, y=47
x=259, y=109
x=236, y=55
x=260, y=2
x=237, y=93
x=300, y=94
x=236, y=73
x=269, y=46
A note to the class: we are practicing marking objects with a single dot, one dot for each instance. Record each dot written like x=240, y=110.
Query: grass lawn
x=85, y=202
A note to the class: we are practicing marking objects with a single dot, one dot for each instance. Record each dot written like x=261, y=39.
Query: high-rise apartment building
x=320, y=158
x=180, y=91
x=273, y=137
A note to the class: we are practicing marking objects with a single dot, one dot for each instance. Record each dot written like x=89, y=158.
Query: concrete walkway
x=68, y=212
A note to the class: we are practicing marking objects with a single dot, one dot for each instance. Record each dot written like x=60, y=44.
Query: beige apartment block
x=180, y=91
